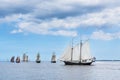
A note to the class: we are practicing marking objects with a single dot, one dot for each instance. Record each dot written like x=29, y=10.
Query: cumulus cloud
x=43, y=28
x=107, y=16
x=105, y=36
x=60, y=17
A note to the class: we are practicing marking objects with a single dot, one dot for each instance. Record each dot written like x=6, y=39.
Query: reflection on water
x=48, y=71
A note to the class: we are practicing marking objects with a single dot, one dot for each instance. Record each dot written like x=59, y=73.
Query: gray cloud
x=48, y=9
x=75, y=11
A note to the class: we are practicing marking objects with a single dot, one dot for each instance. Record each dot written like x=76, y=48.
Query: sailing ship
x=25, y=58
x=94, y=59
x=53, y=59
x=18, y=60
x=78, y=54
x=38, y=58
x=12, y=59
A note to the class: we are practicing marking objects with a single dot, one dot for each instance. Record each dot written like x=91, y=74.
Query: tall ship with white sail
x=78, y=54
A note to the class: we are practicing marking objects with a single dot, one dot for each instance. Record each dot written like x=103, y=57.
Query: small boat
x=38, y=58
x=78, y=54
x=18, y=60
x=12, y=59
x=53, y=59
x=94, y=59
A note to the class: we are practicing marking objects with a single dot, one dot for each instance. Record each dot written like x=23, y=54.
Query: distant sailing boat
x=12, y=59
x=78, y=54
x=53, y=59
x=25, y=58
x=38, y=58
x=18, y=60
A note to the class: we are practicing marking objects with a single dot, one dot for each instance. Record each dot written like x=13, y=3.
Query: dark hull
x=12, y=61
x=53, y=61
x=72, y=63
x=38, y=61
x=17, y=61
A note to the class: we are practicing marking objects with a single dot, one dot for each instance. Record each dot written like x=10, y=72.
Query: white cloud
x=107, y=16
x=105, y=36
x=16, y=31
x=11, y=18
x=67, y=26
x=46, y=28
x=63, y=33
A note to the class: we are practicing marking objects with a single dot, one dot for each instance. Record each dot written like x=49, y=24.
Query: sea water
x=108, y=70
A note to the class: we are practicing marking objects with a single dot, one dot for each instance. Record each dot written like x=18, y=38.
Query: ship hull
x=17, y=61
x=79, y=63
x=12, y=61
x=53, y=61
x=38, y=61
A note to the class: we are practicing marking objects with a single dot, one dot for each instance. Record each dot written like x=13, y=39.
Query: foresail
x=66, y=56
x=85, y=54
x=76, y=53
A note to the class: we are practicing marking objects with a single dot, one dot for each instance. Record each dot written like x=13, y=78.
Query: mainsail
x=86, y=51
x=76, y=53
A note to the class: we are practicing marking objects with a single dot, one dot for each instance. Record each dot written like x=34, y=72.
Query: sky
x=48, y=26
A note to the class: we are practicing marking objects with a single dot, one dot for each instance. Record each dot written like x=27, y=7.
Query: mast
x=80, y=50
x=72, y=50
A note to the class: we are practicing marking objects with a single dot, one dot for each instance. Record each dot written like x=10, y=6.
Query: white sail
x=53, y=57
x=26, y=58
x=76, y=53
x=85, y=53
x=66, y=56
x=38, y=57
